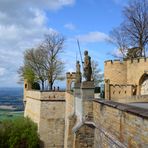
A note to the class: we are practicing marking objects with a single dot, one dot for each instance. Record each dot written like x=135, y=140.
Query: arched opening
x=25, y=85
x=143, y=83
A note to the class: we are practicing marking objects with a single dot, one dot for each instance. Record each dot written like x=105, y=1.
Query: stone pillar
x=84, y=130
x=107, y=90
x=87, y=95
x=78, y=102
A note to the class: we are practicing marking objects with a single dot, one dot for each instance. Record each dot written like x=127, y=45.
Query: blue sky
x=24, y=23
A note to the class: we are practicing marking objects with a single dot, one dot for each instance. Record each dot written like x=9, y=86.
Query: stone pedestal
x=87, y=94
x=78, y=101
x=84, y=129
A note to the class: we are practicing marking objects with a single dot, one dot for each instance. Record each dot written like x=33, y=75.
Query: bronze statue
x=78, y=72
x=87, y=66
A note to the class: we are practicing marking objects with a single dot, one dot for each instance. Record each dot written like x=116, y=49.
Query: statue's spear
x=80, y=52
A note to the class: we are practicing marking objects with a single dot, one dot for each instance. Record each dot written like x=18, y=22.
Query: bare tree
x=119, y=39
x=51, y=47
x=133, y=32
x=44, y=61
x=97, y=76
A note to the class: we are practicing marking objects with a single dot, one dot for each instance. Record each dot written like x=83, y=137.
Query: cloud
x=13, y=5
x=70, y=26
x=92, y=37
x=22, y=25
x=116, y=53
x=2, y=71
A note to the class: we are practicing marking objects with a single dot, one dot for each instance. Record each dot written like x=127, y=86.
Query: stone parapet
x=45, y=96
x=119, y=125
x=139, y=98
x=124, y=107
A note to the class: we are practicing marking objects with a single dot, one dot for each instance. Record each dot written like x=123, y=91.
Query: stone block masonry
x=47, y=109
x=125, y=78
x=65, y=122
x=119, y=125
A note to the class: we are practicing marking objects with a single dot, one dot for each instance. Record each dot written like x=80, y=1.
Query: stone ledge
x=43, y=100
x=124, y=107
x=43, y=96
x=80, y=124
x=87, y=85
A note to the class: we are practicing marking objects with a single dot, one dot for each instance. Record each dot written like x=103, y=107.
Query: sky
x=23, y=24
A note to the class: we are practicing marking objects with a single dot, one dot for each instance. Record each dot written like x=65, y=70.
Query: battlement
x=124, y=61
x=116, y=61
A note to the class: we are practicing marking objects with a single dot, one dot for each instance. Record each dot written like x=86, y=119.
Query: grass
x=7, y=114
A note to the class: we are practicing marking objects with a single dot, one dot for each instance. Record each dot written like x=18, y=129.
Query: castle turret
x=70, y=79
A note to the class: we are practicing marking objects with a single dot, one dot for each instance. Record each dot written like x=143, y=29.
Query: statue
x=87, y=66
x=78, y=72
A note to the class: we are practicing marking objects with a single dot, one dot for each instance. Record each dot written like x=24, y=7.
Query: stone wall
x=69, y=120
x=47, y=109
x=119, y=125
x=127, y=72
x=105, y=124
x=115, y=71
x=120, y=91
x=135, y=69
x=84, y=137
x=132, y=99
x=52, y=124
x=32, y=109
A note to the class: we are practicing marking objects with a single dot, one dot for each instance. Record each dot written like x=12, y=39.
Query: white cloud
x=22, y=25
x=70, y=26
x=92, y=37
x=13, y=5
x=116, y=53
x=2, y=71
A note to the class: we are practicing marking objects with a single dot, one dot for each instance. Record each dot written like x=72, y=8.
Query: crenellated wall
x=136, y=69
x=74, y=119
x=126, y=72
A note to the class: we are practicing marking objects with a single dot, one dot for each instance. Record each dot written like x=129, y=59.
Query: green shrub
x=36, y=86
x=18, y=133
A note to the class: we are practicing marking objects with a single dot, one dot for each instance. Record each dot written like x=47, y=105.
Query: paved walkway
x=141, y=105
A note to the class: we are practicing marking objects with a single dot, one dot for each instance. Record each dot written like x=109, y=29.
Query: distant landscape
x=11, y=103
